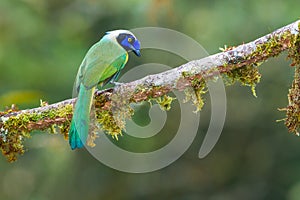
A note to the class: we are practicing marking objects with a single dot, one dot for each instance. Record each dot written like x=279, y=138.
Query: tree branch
x=236, y=63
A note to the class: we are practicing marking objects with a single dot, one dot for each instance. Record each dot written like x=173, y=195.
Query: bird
x=101, y=65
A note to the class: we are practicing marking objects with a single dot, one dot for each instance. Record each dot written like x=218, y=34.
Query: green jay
x=102, y=64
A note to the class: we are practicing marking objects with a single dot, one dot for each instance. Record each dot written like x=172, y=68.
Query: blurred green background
x=42, y=44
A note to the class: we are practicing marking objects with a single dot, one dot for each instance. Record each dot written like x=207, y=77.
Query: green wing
x=116, y=66
x=102, y=61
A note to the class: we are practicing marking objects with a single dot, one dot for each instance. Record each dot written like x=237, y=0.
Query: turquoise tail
x=79, y=128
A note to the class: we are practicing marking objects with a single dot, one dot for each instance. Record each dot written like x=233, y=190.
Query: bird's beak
x=137, y=52
x=136, y=48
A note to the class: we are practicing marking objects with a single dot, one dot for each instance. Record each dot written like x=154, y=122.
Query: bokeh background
x=42, y=44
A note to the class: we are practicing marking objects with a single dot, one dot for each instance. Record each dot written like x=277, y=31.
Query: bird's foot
x=116, y=83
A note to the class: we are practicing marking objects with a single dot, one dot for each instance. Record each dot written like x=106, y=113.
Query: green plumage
x=101, y=63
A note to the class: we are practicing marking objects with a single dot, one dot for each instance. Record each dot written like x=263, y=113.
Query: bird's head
x=127, y=40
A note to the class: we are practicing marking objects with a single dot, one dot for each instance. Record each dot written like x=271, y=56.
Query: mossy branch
x=235, y=63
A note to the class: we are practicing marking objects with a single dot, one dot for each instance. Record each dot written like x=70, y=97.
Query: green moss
x=15, y=129
x=13, y=132
x=165, y=102
x=274, y=46
x=112, y=120
x=112, y=115
x=147, y=92
x=294, y=50
x=186, y=74
x=113, y=123
x=195, y=92
x=247, y=75
x=108, y=123
x=292, y=120
x=64, y=129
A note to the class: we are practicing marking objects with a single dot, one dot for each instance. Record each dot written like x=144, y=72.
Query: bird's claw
x=116, y=83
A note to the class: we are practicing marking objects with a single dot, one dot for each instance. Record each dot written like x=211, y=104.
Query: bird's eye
x=129, y=40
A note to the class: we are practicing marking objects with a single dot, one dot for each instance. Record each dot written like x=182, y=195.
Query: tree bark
x=15, y=125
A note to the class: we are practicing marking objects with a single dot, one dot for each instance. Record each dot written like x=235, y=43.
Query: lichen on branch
x=16, y=125
x=112, y=106
x=292, y=120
